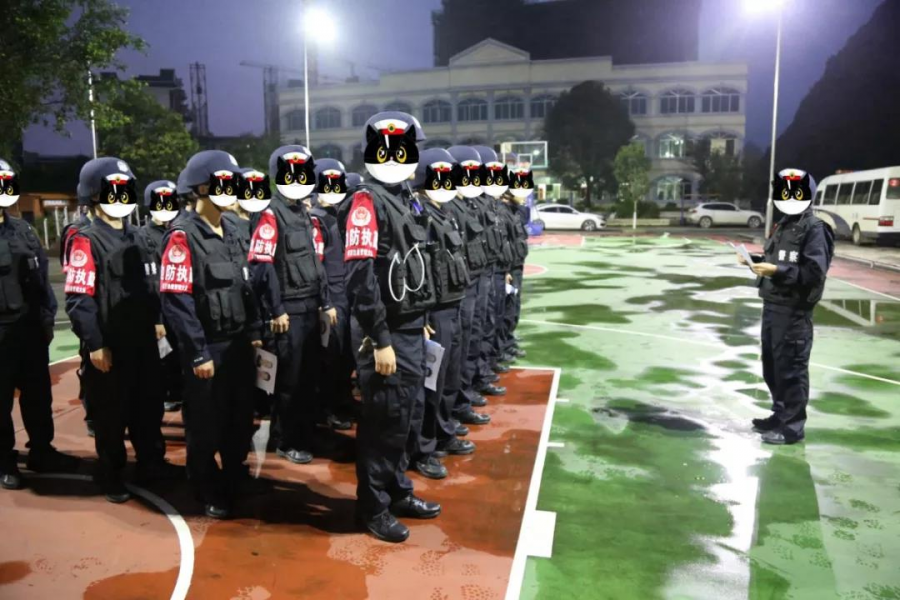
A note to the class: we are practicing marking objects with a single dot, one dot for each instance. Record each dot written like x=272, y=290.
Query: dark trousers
x=469, y=349
x=127, y=397
x=335, y=387
x=498, y=344
x=294, y=417
x=437, y=427
x=389, y=409
x=513, y=311
x=24, y=360
x=172, y=375
x=218, y=418
x=483, y=310
x=787, y=337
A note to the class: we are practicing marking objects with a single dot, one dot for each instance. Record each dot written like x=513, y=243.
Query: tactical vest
x=296, y=263
x=404, y=271
x=493, y=232
x=448, y=262
x=150, y=237
x=123, y=291
x=788, y=239
x=518, y=235
x=220, y=273
x=19, y=269
x=467, y=216
x=241, y=229
x=334, y=249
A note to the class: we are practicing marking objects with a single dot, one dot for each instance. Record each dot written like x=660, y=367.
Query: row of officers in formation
x=431, y=245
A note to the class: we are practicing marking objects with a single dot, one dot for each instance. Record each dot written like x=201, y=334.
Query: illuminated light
x=319, y=25
x=763, y=6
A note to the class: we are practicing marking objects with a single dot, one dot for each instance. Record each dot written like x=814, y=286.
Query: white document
x=266, y=368
x=743, y=253
x=324, y=329
x=511, y=290
x=165, y=348
x=434, y=354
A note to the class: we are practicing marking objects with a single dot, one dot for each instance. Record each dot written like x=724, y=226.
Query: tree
x=151, y=138
x=584, y=130
x=721, y=174
x=46, y=49
x=632, y=169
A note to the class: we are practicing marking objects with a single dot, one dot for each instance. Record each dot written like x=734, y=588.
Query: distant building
x=167, y=89
x=629, y=31
x=493, y=93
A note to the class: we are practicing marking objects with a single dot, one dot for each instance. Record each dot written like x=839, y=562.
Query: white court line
x=562, y=400
x=185, y=541
x=530, y=514
x=698, y=343
x=556, y=445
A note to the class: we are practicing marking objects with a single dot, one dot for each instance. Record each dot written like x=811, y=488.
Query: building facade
x=494, y=93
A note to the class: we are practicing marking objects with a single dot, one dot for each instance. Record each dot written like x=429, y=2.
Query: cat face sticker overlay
x=391, y=154
x=9, y=186
x=439, y=185
x=118, y=197
x=254, y=194
x=295, y=178
x=163, y=204
x=468, y=178
x=223, y=188
x=331, y=187
x=521, y=184
x=496, y=179
x=792, y=191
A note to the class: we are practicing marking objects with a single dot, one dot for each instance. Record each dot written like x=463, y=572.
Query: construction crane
x=199, y=101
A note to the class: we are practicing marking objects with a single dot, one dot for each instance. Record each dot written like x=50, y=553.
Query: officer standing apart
x=160, y=198
x=791, y=279
x=283, y=237
x=389, y=291
x=208, y=300
x=117, y=318
x=521, y=186
x=27, y=314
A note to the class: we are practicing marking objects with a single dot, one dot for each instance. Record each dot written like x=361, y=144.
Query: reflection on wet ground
x=661, y=489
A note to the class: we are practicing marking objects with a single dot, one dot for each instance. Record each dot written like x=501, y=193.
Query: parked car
x=723, y=213
x=560, y=216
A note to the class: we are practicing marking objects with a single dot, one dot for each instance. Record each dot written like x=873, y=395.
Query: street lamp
x=756, y=6
x=315, y=22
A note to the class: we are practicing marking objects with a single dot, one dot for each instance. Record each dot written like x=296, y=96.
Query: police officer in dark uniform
x=161, y=200
x=521, y=187
x=437, y=438
x=207, y=298
x=283, y=237
x=389, y=288
x=467, y=210
x=334, y=385
x=791, y=280
x=27, y=315
x=115, y=314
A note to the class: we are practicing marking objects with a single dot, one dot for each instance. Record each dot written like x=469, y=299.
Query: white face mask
x=792, y=207
x=7, y=201
x=222, y=201
x=470, y=191
x=495, y=191
x=521, y=194
x=163, y=216
x=118, y=211
x=295, y=191
x=391, y=172
x=332, y=198
x=254, y=205
x=441, y=196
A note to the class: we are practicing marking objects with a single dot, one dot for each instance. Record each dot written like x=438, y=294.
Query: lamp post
x=91, y=100
x=315, y=22
x=778, y=7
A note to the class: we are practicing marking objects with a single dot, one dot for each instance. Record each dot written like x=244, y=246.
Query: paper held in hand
x=266, y=368
x=743, y=253
x=165, y=348
x=434, y=354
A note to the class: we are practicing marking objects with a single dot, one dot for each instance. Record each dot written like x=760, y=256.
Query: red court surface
x=296, y=539
x=557, y=240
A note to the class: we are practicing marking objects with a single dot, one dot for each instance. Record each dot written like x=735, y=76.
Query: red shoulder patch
x=176, y=274
x=81, y=272
x=318, y=240
x=362, y=228
x=265, y=239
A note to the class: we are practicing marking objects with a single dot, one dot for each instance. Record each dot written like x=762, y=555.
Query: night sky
x=396, y=35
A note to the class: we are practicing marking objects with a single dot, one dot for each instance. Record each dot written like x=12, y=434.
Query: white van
x=864, y=206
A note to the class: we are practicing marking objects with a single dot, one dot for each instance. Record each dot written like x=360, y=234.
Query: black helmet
x=487, y=155
x=293, y=169
x=158, y=189
x=161, y=199
x=331, y=181
x=110, y=181
x=9, y=185
x=468, y=170
x=215, y=168
x=354, y=180
x=254, y=192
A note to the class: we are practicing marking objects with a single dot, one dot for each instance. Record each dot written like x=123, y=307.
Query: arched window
x=541, y=105
x=438, y=143
x=296, y=120
x=472, y=109
x=399, y=106
x=329, y=151
x=363, y=113
x=328, y=118
x=635, y=103
x=672, y=145
x=509, y=108
x=357, y=161
x=722, y=142
x=676, y=102
x=672, y=189
x=437, y=111
x=721, y=100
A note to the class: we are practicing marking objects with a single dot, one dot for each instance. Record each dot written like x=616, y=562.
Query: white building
x=494, y=93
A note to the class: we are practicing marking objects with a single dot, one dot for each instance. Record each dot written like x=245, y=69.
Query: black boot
x=770, y=423
x=415, y=508
x=473, y=418
x=479, y=401
x=457, y=447
x=431, y=468
x=387, y=528
x=51, y=460
x=10, y=477
x=493, y=390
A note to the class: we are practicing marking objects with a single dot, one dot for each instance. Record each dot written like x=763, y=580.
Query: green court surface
x=660, y=488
